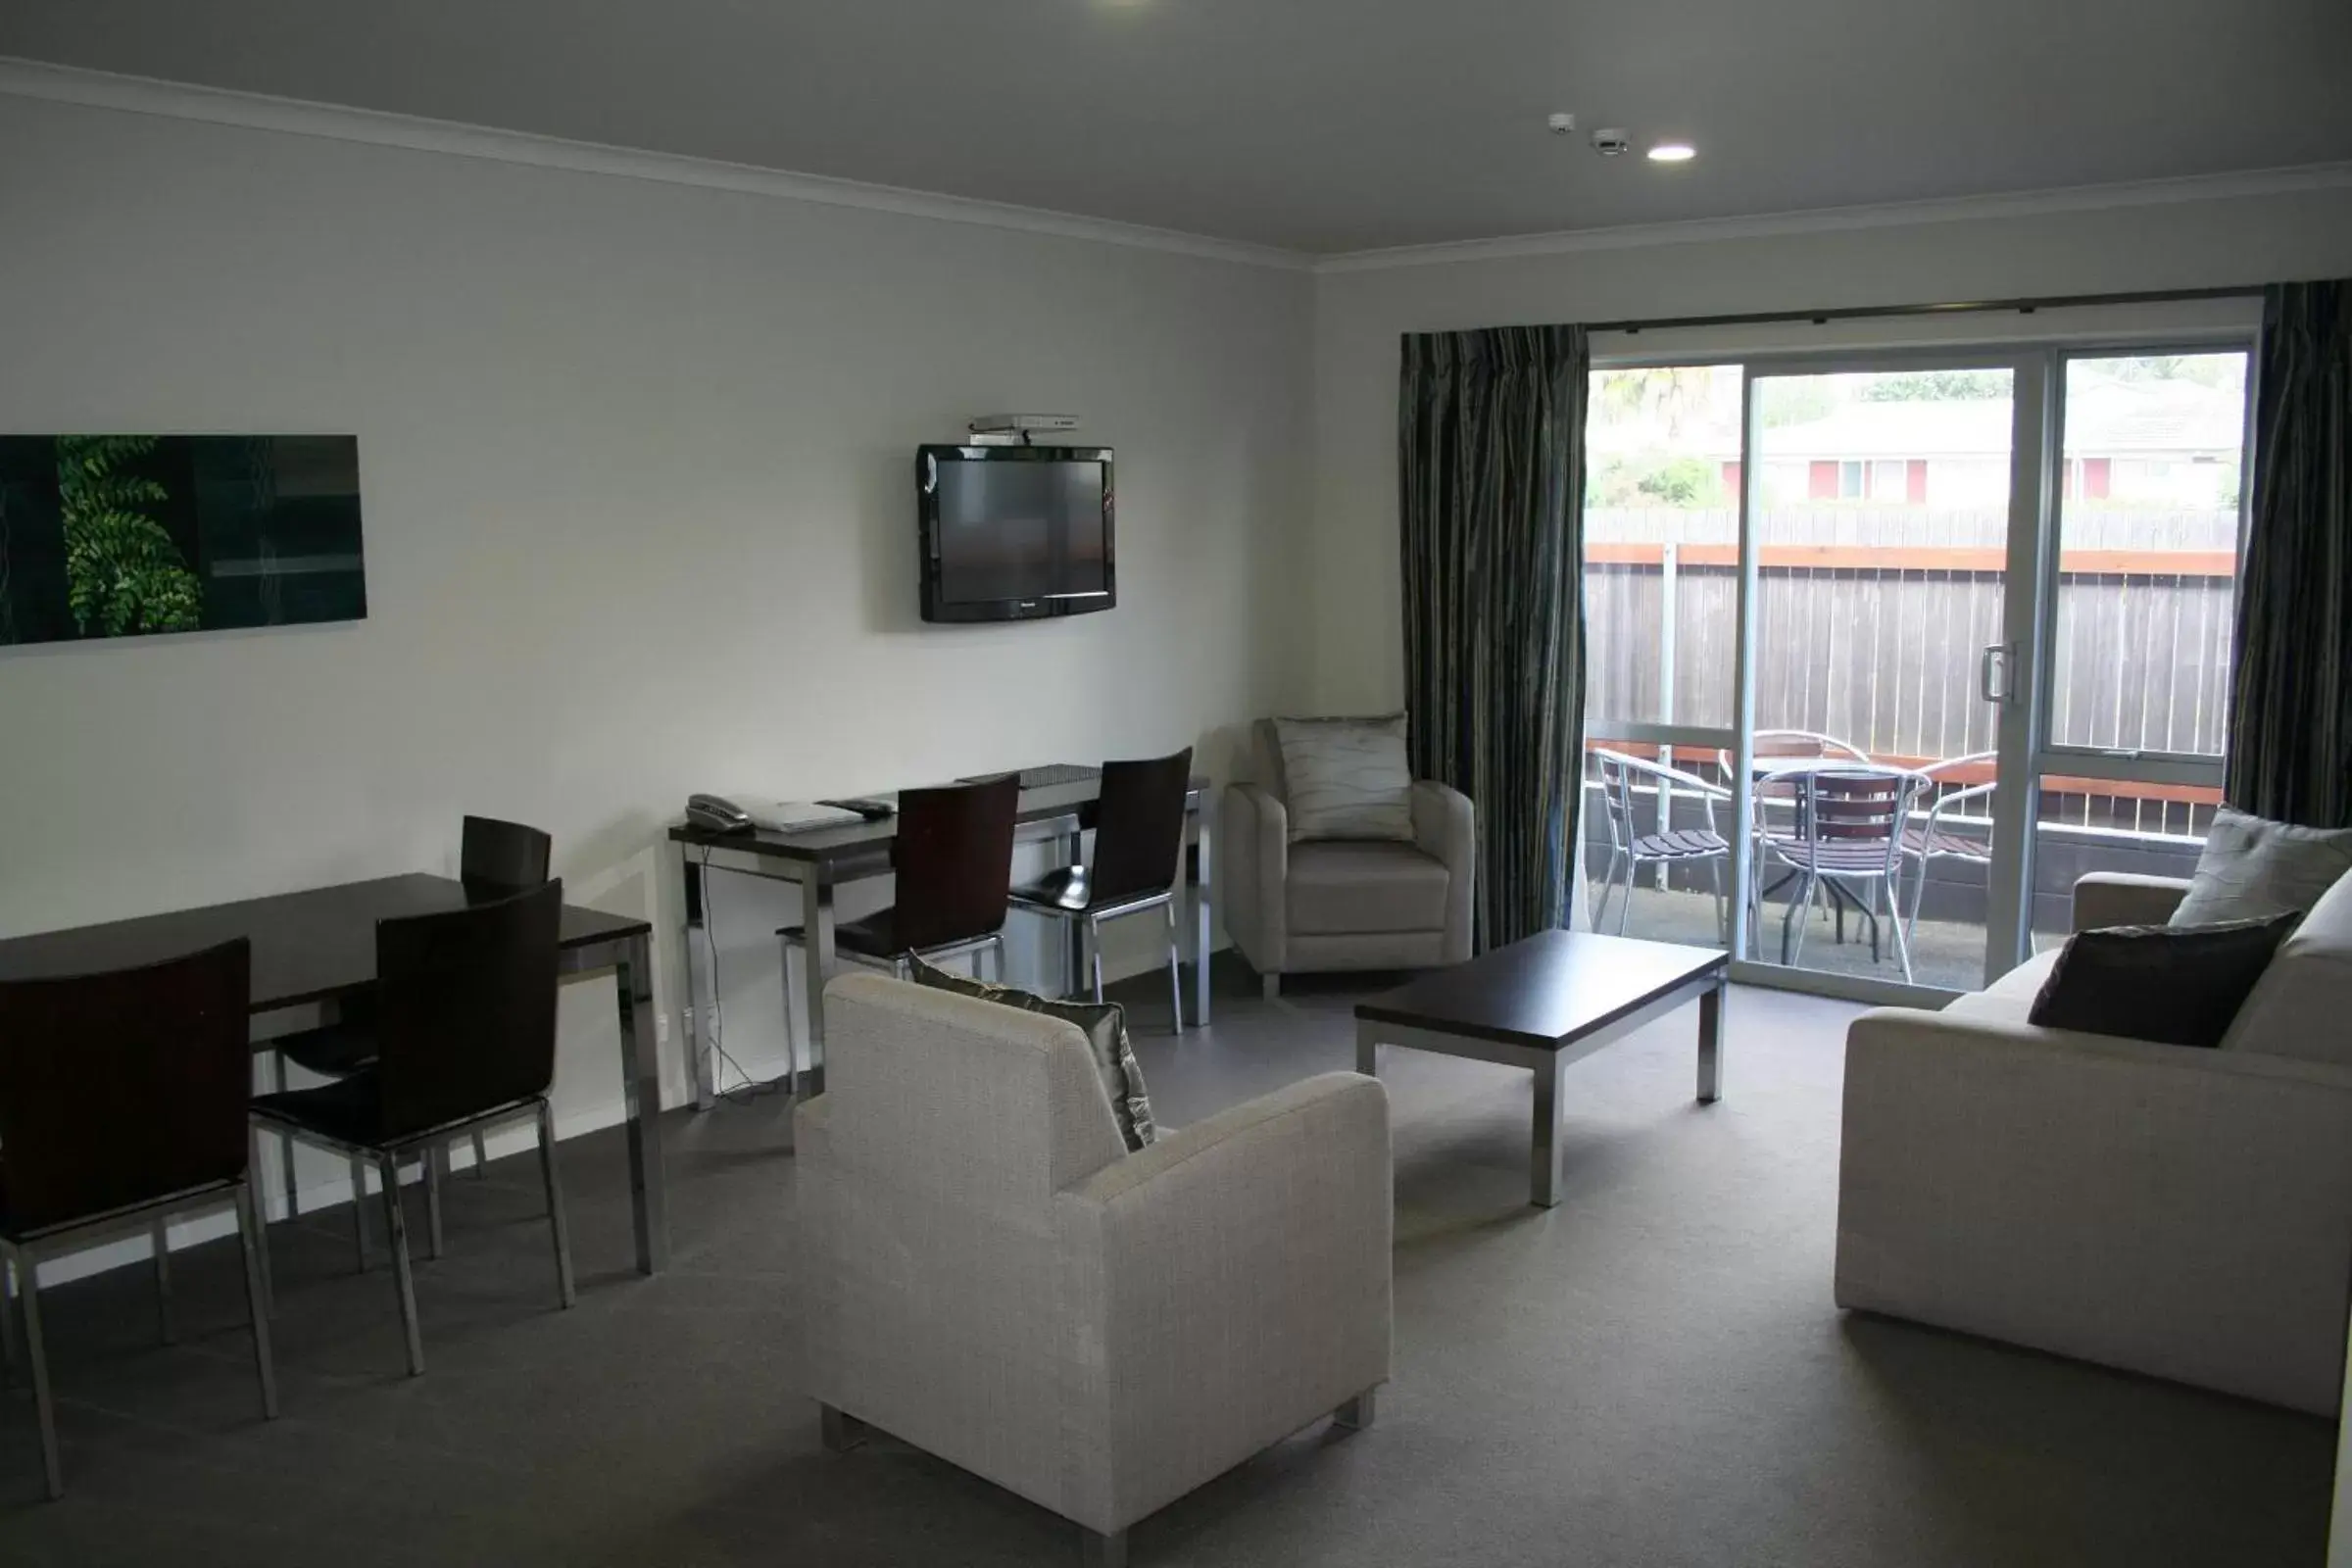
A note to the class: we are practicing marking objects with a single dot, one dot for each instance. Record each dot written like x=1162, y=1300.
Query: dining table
x=315, y=948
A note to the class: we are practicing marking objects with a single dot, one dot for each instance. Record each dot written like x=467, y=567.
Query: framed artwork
x=105, y=537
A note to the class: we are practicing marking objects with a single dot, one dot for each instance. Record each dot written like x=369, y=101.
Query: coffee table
x=1546, y=1002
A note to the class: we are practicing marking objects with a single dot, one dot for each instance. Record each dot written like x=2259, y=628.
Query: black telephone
x=717, y=813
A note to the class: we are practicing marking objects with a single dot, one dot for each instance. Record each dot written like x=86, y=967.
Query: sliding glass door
x=1893, y=648
x=2146, y=494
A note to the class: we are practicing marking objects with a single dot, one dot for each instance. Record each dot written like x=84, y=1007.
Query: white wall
x=1360, y=314
x=637, y=481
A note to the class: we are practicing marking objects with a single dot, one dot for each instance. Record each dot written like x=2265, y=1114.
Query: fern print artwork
x=108, y=536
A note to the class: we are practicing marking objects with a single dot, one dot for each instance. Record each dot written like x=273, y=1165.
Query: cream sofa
x=991, y=1277
x=2177, y=1212
x=1331, y=905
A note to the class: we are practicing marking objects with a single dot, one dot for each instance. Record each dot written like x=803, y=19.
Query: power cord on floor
x=750, y=1088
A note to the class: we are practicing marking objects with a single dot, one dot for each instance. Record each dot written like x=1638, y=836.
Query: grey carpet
x=1650, y=1374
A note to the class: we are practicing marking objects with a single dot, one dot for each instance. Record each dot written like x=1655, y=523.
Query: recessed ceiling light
x=1673, y=152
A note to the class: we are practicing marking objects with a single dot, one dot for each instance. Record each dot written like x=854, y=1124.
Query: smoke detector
x=1611, y=142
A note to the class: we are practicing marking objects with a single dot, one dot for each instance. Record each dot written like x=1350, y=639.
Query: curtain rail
x=1864, y=313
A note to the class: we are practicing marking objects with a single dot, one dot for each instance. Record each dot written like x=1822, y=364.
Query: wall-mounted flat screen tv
x=105, y=537
x=1016, y=533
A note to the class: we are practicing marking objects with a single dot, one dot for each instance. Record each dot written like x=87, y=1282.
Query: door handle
x=1994, y=661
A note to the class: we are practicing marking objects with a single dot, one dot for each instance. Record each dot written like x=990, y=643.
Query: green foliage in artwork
x=122, y=572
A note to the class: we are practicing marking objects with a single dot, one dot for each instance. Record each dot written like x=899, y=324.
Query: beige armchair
x=991, y=1276
x=1328, y=905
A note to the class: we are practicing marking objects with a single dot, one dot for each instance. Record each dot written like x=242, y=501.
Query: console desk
x=823, y=859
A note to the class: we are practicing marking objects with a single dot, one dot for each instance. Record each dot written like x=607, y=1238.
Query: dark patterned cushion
x=2172, y=984
x=1105, y=1031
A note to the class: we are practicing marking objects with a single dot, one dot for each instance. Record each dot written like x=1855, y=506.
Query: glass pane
x=2086, y=824
x=2147, y=561
x=1657, y=843
x=1881, y=517
x=1662, y=544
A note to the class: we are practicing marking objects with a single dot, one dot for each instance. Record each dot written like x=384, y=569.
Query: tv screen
x=1010, y=534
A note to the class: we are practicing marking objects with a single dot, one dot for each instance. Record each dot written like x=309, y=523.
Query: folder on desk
x=793, y=817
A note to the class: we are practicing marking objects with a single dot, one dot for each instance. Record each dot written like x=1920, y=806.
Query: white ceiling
x=1320, y=126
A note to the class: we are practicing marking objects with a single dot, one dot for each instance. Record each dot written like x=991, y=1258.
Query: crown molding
x=1829, y=219
x=145, y=95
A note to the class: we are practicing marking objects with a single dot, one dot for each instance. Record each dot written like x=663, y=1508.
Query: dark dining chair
x=1139, y=839
x=952, y=858
x=465, y=1038
x=493, y=857
x=122, y=1100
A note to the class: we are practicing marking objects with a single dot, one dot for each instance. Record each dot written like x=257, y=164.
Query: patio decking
x=1945, y=953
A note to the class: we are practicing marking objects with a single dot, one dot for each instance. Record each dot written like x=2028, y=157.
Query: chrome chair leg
x=261, y=1217
x=481, y=1157
x=555, y=1203
x=359, y=1209
x=29, y=1278
x=1918, y=897
x=159, y=1241
x=1800, y=911
x=285, y=1145
x=1094, y=955
x=256, y=1303
x=792, y=1036
x=404, y=1282
x=433, y=1158
x=1903, y=938
x=1175, y=972
x=1625, y=902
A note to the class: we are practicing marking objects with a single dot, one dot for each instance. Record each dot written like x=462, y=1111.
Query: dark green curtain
x=2290, y=723
x=1491, y=474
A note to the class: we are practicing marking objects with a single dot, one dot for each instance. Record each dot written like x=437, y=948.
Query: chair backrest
x=1617, y=795
x=117, y=1088
x=1138, y=827
x=467, y=1008
x=1859, y=812
x=965, y=1103
x=503, y=855
x=954, y=858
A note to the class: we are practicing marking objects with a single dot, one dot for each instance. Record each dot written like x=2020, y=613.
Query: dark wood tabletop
x=1550, y=990
x=854, y=843
x=307, y=946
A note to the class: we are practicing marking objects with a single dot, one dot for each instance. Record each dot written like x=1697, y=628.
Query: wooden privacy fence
x=1871, y=623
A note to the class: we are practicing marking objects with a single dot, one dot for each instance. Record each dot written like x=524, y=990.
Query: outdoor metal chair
x=1663, y=844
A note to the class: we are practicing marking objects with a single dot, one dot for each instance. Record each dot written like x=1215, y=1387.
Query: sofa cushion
x=1105, y=1031
x=1346, y=778
x=2173, y=985
x=1351, y=888
x=2252, y=868
x=2302, y=1006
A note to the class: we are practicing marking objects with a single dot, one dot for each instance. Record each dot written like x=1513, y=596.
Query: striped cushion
x=1347, y=777
x=2252, y=868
